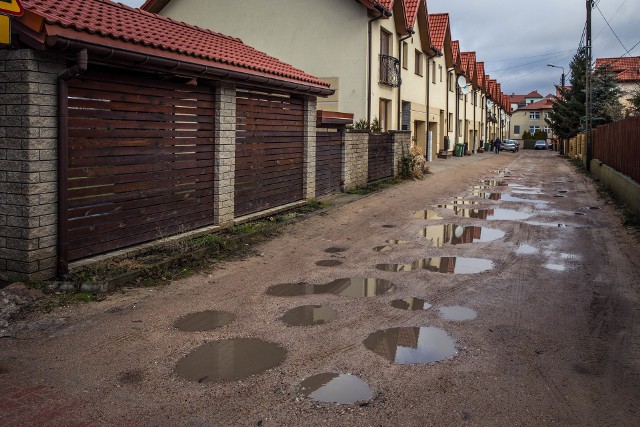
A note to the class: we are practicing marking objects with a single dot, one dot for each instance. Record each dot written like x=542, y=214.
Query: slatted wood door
x=269, y=151
x=140, y=161
x=380, y=157
x=329, y=161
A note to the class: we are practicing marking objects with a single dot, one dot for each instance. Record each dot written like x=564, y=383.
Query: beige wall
x=521, y=118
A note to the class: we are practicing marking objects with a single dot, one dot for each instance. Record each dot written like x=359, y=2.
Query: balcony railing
x=390, y=71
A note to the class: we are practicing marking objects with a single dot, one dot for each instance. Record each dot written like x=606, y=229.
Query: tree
x=606, y=97
x=634, y=101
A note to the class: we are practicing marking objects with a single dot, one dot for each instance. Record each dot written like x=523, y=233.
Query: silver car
x=509, y=145
x=541, y=144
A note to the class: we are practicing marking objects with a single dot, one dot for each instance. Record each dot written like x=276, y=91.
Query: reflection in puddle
x=309, y=315
x=350, y=287
x=555, y=267
x=457, y=313
x=450, y=265
x=203, y=321
x=505, y=197
x=492, y=214
x=412, y=345
x=487, y=196
x=525, y=249
x=397, y=242
x=426, y=215
x=455, y=203
x=335, y=250
x=335, y=388
x=410, y=304
x=439, y=235
x=231, y=359
x=328, y=263
x=382, y=248
x=388, y=226
x=494, y=183
x=547, y=224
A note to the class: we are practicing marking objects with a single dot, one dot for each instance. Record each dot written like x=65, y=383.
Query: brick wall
x=310, y=121
x=401, y=147
x=356, y=159
x=28, y=164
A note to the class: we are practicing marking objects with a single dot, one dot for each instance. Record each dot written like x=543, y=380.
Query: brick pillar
x=309, y=173
x=225, y=154
x=28, y=164
x=401, y=146
x=356, y=159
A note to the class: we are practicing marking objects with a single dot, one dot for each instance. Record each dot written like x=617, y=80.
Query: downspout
x=448, y=124
x=429, y=58
x=475, y=134
x=371, y=21
x=63, y=157
x=409, y=35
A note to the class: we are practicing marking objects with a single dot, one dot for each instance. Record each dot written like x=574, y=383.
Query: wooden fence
x=380, y=156
x=329, y=161
x=618, y=146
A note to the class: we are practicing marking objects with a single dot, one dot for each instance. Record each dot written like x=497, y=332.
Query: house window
x=385, y=114
x=451, y=82
x=419, y=65
x=440, y=69
x=516, y=129
x=433, y=72
x=405, y=55
x=548, y=131
x=385, y=42
x=450, y=122
x=533, y=129
x=534, y=115
x=546, y=115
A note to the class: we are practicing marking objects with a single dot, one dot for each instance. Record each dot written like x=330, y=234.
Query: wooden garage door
x=380, y=157
x=140, y=161
x=328, y=161
x=269, y=151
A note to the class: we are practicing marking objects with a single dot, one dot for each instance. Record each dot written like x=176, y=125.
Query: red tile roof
x=544, y=104
x=455, y=48
x=109, y=23
x=439, y=26
x=469, y=65
x=480, y=74
x=411, y=12
x=533, y=94
x=627, y=68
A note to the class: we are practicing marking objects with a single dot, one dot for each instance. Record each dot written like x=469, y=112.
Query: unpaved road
x=555, y=340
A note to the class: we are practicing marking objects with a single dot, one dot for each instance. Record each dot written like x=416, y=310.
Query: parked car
x=541, y=144
x=510, y=145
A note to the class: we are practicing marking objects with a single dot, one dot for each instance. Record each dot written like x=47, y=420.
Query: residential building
x=531, y=118
x=519, y=101
x=627, y=74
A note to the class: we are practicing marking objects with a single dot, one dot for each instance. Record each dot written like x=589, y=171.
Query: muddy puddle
x=389, y=226
x=506, y=197
x=385, y=248
x=548, y=224
x=498, y=214
x=397, y=242
x=309, y=315
x=457, y=313
x=328, y=263
x=349, y=287
x=335, y=388
x=426, y=215
x=231, y=359
x=336, y=249
x=203, y=321
x=555, y=267
x=416, y=345
x=410, y=304
x=447, y=265
x=525, y=249
x=494, y=183
x=453, y=234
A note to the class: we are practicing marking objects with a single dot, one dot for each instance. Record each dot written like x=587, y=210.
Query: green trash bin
x=487, y=146
x=459, y=152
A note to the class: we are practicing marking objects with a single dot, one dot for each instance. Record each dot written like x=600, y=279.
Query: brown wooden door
x=329, y=160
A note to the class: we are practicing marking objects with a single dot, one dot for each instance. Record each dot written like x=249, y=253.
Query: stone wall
x=401, y=148
x=28, y=164
x=356, y=159
x=309, y=174
x=225, y=159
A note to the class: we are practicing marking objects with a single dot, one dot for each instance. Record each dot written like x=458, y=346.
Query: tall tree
x=634, y=101
x=606, y=97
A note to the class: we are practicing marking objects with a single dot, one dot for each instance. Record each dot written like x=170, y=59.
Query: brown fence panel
x=329, y=161
x=140, y=161
x=269, y=151
x=618, y=146
x=380, y=157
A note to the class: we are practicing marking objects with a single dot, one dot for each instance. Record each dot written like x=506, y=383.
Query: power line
x=524, y=75
x=528, y=63
x=610, y=19
x=528, y=57
x=611, y=28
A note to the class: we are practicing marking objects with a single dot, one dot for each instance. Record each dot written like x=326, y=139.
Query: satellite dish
x=462, y=84
x=489, y=103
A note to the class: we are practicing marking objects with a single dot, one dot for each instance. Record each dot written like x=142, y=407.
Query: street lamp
x=555, y=66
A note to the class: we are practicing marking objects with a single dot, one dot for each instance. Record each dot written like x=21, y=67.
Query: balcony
x=390, y=71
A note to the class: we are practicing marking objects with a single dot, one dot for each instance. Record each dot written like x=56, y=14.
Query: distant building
x=519, y=101
x=627, y=73
x=532, y=117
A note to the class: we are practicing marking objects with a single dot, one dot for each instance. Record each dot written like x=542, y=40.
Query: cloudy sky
x=518, y=38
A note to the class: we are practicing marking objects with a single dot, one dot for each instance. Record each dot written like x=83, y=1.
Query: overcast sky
x=518, y=38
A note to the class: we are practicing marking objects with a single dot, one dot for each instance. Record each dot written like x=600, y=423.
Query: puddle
x=453, y=234
x=426, y=215
x=412, y=345
x=397, y=242
x=335, y=388
x=389, y=226
x=309, y=315
x=579, y=213
x=328, y=263
x=349, y=287
x=527, y=250
x=555, y=267
x=558, y=195
x=457, y=313
x=563, y=191
x=547, y=224
x=382, y=248
x=487, y=196
x=498, y=214
x=203, y=321
x=335, y=250
x=231, y=359
x=411, y=304
x=494, y=183
x=457, y=203
x=449, y=265
x=510, y=198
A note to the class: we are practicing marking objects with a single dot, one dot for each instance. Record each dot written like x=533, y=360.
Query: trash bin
x=487, y=146
x=459, y=152
x=466, y=148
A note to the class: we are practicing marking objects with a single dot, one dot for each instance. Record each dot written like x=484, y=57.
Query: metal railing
x=390, y=71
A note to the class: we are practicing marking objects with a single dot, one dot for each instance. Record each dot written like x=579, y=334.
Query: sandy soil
x=555, y=340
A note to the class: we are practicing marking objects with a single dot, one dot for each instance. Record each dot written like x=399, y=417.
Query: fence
x=618, y=146
x=577, y=147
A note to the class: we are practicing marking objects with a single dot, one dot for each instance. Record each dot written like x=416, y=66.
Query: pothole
x=410, y=304
x=309, y=315
x=454, y=234
x=335, y=388
x=335, y=250
x=416, y=345
x=349, y=287
x=328, y=263
x=457, y=313
x=447, y=265
x=203, y=321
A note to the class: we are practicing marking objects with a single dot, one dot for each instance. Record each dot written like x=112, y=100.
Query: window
x=548, y=131
x=533, y=129
x=451, y=81
x=433, y=72
x=385, y=42
x=450, y=122
x=516, y=129
x=385, y=114
x=440, y=69
x=546, y=115
x=534, y=115
x=419, y=65
x=405, y=55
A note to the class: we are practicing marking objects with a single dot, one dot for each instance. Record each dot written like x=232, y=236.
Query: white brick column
x=356, y=159
x=309, y=173
x=225, y=152
x=401, y=147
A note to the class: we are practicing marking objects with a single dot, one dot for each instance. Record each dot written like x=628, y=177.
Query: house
x=627, y=74
x=531, y=118
x=519, y=101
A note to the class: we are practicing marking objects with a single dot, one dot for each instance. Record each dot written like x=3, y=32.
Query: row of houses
x=120, y=125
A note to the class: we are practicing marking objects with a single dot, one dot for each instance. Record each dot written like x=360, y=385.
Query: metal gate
x=140, y=155
x=380, y=157
x=269, y=151
x=329, y=161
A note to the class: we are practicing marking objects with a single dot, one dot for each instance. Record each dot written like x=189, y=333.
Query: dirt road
x=546, y=297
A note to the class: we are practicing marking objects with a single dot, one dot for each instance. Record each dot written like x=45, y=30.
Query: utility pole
x=589, y=99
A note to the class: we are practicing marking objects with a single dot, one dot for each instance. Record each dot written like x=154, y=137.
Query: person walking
x=496, y=145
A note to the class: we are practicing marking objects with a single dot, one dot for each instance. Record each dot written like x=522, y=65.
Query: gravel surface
x=552, y=341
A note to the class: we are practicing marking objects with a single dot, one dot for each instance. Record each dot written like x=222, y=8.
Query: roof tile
x=438, y=25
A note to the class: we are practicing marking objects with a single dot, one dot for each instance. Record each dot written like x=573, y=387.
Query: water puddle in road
x=389, y=226
x=494, y=183
x=555, y=267
x=580, y=213
x=203, y=321
x=505, y=197
x=449, y=265
x=525, y=249
x=547, y=224
x=231, y=359
x=411, y=304
x=487, y=196
x=335, y=388
x=498, y=214
x=382, y=248
x=349, y=287
x=417, y=345
x=457, y=203
x=457, y=313
x=453, y=234
x=426, y=215
x=335, y=250
x=309, y=315
x=328, y=263
x=559, y=196
x=397, y=242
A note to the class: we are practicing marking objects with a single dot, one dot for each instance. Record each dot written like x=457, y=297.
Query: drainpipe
x=408, y=36
x=429, y=58
x=383, y=12
x=63, y=157
x=475, y=135
x=447, y=113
